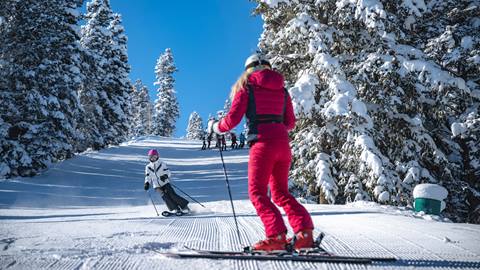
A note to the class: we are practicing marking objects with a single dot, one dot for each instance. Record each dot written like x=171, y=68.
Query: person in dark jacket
x=242, y=140
x=204, y=141
x=223, y=142
x=234, y=140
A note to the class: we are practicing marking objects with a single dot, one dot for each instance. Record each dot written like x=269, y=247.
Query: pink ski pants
x=268, y=165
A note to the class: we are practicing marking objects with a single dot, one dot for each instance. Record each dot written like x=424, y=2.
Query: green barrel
x=429, y=206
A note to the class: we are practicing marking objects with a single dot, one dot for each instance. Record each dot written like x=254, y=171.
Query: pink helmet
x=153, y=152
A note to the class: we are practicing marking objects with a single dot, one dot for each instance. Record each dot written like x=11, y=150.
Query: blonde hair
x=242, y=80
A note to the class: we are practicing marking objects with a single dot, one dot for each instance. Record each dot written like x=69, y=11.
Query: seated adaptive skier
x=157, y=175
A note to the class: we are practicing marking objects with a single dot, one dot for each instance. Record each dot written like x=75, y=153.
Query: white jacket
x=155, y=170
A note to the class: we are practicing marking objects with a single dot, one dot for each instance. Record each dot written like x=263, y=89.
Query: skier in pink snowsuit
x=260, y=95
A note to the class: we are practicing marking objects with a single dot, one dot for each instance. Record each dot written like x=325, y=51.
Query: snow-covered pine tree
x=226, y=106
x=141, y=110
x=93, y=37
x=222, y=113
x=376, y=96
x=39, y=76
x=92, y=120
x=454, y=42
x=166, y=105
x=119, y=80
x=150, y=114
x=467, y=135
x=9, y=148
x=103, y=93
x=195, y=127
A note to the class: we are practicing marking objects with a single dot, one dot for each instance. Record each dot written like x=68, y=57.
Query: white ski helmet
x=255, y=60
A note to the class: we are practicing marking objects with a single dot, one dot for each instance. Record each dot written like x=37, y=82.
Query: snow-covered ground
x=91, y=212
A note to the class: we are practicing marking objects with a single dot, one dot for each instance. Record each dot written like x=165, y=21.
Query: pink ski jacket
x=270, y=99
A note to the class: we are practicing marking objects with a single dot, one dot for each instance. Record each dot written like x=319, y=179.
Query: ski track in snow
x=91, y=212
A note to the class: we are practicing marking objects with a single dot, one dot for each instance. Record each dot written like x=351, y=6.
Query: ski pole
x=153, y=203
x=187, y=194
x=230, y=195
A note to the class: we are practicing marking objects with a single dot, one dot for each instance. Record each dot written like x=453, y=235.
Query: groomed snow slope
x=91, y=212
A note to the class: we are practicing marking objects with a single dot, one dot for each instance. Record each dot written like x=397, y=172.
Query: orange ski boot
x=304, y=240
x=277, y=243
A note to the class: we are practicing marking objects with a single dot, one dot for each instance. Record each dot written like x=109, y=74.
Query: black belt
x=268, y=118
x=268, y=122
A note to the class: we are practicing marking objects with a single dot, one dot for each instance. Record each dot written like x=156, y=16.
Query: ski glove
x=164, y=177
x=146, y=186
x=215, y=128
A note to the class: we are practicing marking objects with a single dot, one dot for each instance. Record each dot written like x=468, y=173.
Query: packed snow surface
x=91, y=212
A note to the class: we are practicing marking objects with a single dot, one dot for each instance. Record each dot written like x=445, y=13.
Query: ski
x=315, y=253
x=248, y=250
x=168, y=213
x=267, y=257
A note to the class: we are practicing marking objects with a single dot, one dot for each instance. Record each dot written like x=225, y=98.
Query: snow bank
x=430, y=191
x=397, y=211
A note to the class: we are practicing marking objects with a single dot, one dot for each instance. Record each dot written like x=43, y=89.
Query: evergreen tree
x=39, y=75
x=226, y=106
x=378, y=88
x=195, y=127
x=106, y=88
x=92, y=117
x=141, y=110
x=150, y=114
x=166, y=105
x=119, y=77
x=8, y=109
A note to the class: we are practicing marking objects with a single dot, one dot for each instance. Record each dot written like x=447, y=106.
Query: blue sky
x=210, y=41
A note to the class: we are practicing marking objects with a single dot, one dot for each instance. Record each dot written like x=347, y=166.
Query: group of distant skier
x=221, y=142
x=260, y=95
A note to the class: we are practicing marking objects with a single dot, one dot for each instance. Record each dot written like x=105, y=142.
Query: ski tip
x=318, y=240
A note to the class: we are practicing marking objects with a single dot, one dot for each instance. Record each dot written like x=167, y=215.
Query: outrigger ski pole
x=230, y=194
x=186, y=194
x=153, y=203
